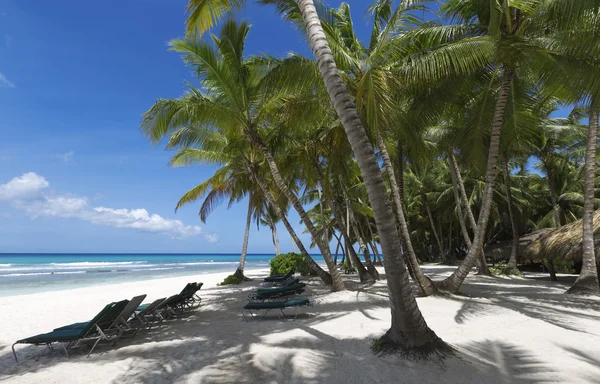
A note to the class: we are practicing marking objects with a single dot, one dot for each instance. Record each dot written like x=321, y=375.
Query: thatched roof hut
x=500, y=251
x=563, y=242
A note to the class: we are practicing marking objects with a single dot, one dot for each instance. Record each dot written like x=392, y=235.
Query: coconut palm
x=508, y=39
x=408, y=329
x=229, y=107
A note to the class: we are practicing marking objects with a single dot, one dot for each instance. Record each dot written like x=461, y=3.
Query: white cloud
x=211, y=237
x=24, y=187
x=8, y=39
x=4, y=82
x=67, y=157
x=26, y=193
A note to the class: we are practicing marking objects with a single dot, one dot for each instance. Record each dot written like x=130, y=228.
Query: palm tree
x=505, y=37
x=408, y=329
x=227, y=107
x=266, y=216
x=587, y=281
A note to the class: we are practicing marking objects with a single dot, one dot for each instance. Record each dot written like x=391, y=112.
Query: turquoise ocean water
x=31, y=273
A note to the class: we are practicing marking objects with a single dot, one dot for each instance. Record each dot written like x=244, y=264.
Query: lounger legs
x=14, y=352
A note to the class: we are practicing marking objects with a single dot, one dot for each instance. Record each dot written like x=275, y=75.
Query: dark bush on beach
x=232, y=279
x=282, y=263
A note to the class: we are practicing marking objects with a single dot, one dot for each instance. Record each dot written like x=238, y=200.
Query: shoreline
x=91, y=283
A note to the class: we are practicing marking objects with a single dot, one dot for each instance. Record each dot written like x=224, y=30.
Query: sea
x=32, y=273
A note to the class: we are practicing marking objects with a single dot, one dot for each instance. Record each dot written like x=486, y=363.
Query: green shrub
x=378, y=345
x=501, y=269
x=231, y=279
x=282, y=263
x=347, y=265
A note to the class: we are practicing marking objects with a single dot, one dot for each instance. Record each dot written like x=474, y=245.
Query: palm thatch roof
x=501, y=250
x=563, y=242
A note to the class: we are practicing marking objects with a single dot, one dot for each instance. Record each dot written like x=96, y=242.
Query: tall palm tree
x=409, y=329
x=233, y=101
x=507, y=36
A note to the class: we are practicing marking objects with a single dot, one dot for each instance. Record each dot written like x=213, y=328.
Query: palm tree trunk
x=514, y=252
x=459, y=212
x=409, y=330
x=482, y=268
x=552, y=270
x=337, y=249
x=587, y=281
x=239, y=273
x=370, y=267
x=275, y=238
x=400, y=173
x=326, y=277
x=432, y=225
x=425, y=284
x=364, y=275
x=354, y=226
x=553, y=198
x=374, y=245
x=452, y=284
x=253, y=137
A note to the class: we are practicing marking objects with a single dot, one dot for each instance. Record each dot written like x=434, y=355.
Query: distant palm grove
x=456, y=125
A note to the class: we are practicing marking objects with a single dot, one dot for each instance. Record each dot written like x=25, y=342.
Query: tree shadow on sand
x=530, y=298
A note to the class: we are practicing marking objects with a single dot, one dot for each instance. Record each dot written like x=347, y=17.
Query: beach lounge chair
x=75, y=333
x=254, y=308
x=280, y=279
x=262, y=294
x=143, y=316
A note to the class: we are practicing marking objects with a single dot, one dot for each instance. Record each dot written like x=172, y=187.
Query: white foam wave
x=97, y=264
x=40, y=274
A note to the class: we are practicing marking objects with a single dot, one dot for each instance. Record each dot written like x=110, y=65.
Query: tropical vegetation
x=450, y=128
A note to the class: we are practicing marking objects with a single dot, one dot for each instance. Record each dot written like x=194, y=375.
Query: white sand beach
x=505, y=330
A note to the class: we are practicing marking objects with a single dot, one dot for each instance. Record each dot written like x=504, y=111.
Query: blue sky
x=75, y=172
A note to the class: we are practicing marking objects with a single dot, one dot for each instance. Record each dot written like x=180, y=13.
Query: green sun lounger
x=254, y=308
x=262, y=294
x=75, y=333
x=274, y=279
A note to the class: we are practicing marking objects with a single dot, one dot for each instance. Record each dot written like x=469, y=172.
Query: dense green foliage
x=481, y=115
x=232, y=280
x=281, y=264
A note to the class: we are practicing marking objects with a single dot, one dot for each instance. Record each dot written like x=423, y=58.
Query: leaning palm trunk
x=452, y=284
x=432, y=225
x=239, y=273
x=482, y=267
x=359, y=238
x=374, y=246
x=361, y=242
x=512, y=261
x=364, y=275
x=326, y=277
x=459, y=212
x=426, y=285
x=408, y=330
x=254, y=138
x=587, y=281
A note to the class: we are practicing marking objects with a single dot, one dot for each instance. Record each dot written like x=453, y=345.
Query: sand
x=505, y=330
